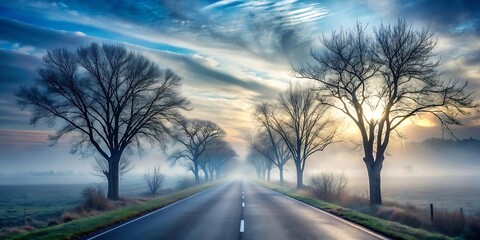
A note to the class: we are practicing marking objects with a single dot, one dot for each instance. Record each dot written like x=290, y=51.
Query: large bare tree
x=301, y=121
x=381, y=80
x=109, y=96
x=194, y=135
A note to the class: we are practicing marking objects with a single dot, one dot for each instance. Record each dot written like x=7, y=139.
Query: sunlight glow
x=373, y=114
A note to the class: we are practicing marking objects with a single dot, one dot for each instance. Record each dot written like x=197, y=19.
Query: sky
x=231, y=54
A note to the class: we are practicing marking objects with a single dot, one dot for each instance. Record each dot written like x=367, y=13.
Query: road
x=237, y=210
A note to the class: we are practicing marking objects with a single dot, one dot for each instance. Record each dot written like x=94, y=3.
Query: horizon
x=229, y=58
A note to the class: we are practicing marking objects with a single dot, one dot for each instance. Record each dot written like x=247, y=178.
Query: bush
x=154, y=179
x=406, y=217
x=52, y=222
x=69, y=216
x=93, y=198
x=328, y=185
x=184, y=182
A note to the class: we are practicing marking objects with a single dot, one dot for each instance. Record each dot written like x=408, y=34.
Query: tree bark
x=374, y=171
x=280, y=169
x=113, y=178
x=205, y=173
x=211, y=173
x=195, y=172
x=299, y=177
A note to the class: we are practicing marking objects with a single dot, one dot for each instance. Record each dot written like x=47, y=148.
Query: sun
x=373, y=114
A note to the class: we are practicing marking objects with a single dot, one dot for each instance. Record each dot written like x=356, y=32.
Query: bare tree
x=154, y=179
x=100, y=166
x=382, y=80
x=216, y=155
x=260, y=163
x=109, y=96
x=194, y=135
x=269, y=144
x=301, y=121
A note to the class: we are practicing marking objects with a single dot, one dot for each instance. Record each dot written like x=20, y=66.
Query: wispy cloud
x=231, y=53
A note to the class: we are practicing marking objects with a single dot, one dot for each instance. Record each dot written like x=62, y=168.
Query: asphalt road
x=237, y=210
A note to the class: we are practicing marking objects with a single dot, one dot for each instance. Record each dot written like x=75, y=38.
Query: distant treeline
x=472, y=144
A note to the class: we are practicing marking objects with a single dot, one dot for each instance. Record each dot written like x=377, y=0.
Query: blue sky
x=231, y=53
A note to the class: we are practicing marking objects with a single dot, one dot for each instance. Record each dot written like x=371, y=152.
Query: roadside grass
x=387, y=228
x=83, y=226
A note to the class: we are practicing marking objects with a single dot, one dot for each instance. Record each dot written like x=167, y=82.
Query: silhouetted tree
x=194, y=135
x=217, y=154
x=301, y=121
x=382, y=80
x=109, y=96
x=269, y=144
x=261, y=164
x=154, y=179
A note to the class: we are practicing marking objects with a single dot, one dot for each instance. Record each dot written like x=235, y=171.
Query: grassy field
x=83, y=226
x=39, y=202
x=387, y=228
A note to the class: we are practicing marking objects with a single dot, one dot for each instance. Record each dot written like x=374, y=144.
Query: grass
x=40, y=202
x=387, y=228
x=84, y=226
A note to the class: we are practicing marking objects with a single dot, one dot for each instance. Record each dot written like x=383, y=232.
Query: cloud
x=30, y=35
x=209, y=76
x=22, y=138
x=454, y=17
x=17, y=69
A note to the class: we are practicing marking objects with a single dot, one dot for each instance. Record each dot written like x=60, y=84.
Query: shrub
x=406, y=217
x=93, y=198
x=69, y=216
x=329, y=186
x=52, y=222
x=154, y=179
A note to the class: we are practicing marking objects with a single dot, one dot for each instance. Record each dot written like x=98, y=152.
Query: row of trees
x=376, y=79
x=112, y=101
x=295, y=127
x=203, y=146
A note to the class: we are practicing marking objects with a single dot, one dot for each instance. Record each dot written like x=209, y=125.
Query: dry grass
x=7, y=231
x=473, y=227
x=450, y=223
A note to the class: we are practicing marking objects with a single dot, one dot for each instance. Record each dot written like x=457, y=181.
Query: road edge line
x=150, y=213
x=356, y=225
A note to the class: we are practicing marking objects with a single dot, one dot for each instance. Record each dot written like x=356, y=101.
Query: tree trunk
x=211, y=173
x=268, y=174
x=109, y=184
x=113, y=178
x=217, y=173
x=259, y=172
x=280, y=169
x=299, y=177
x=195, y=172
x=374, y=171
x=205, y=173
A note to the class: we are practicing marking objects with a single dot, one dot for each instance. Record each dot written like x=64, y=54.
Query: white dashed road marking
x=242, y=226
